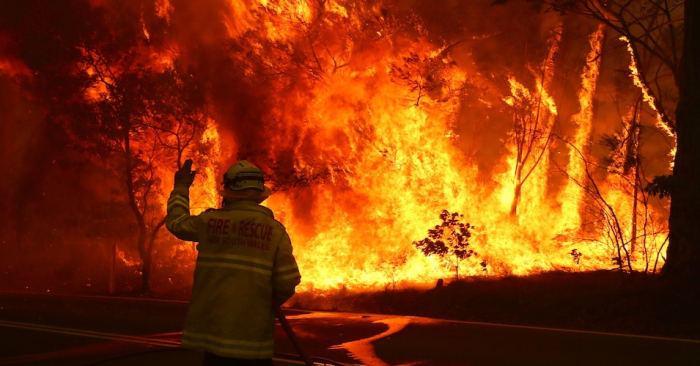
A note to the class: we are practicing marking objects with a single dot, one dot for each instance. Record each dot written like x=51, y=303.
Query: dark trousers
x=211, y=359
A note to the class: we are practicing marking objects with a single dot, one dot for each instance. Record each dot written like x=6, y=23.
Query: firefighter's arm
x=285, y=276
x=178, y=220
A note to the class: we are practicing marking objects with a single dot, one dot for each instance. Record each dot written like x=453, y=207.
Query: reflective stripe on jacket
x=245, y=256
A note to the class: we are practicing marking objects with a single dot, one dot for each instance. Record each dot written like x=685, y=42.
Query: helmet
x=244, y=175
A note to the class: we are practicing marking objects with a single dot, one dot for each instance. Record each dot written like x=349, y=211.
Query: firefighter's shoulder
x=211, y=209
x=279, y=224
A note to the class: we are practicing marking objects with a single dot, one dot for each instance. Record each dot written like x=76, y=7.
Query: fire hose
x=292, y=337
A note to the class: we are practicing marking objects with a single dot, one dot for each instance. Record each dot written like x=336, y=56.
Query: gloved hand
x=185, y=176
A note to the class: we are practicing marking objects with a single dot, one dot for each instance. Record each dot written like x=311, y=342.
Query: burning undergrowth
x=368, y=118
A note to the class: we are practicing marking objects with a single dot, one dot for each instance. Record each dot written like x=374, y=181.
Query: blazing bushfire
x=369, y=118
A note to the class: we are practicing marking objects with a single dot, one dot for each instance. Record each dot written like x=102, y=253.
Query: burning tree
x=605, y=218
x=652, y=29
x=625, y=160
x=533, y=119
x=138, y=118
x=391, y=265
x=140, y=135
x=180, y=113
x=622, y=170
x=425, y=76
x=354, y=109
x=449, y=240
x=624, y=163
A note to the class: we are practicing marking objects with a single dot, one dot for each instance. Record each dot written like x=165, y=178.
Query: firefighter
x=245, y=266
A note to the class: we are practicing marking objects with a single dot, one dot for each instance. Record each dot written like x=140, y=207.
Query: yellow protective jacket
x=245, y=256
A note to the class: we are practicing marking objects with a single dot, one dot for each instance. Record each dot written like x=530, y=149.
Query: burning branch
x=606, y=214
x=533, y=120
x=425, y=76
x=648, y=27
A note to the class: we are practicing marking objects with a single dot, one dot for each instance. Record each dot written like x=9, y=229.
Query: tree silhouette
x=137, y=117
x=390, y=266
x=421, y=75
x=449, y=240
x=143, y=133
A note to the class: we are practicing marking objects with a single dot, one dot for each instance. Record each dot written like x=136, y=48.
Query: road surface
x=84, y=330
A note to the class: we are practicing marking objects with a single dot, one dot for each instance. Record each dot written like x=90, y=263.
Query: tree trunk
x=636, y=136
x=633, y=241
x=518, y=190
x=138, y=215
x=683, y=256
x=146, y=252
x=145, y=263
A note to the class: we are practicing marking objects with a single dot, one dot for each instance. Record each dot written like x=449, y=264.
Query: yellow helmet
x=244, y=175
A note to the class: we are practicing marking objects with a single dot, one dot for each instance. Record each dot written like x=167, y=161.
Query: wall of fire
x=369, y=119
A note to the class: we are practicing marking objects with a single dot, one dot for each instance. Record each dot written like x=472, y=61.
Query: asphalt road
x=69, y=330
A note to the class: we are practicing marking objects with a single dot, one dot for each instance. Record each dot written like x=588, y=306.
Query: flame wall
x=370, y=118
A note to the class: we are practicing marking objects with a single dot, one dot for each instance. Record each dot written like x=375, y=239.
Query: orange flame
x=380, y=124
x=389, y=147
x=648, y=97
x=572, y=195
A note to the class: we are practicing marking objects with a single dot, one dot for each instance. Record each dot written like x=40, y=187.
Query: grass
x=595, y=301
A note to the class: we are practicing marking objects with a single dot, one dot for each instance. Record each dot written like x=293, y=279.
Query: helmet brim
x=246, y=194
